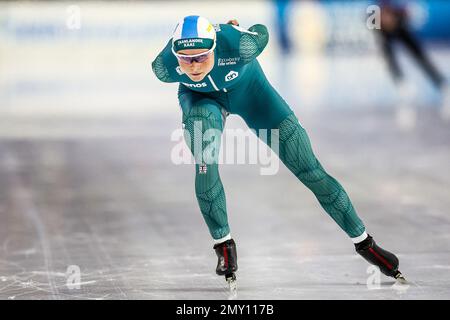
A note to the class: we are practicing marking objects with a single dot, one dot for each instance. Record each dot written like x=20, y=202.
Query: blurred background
x=85, y=151
x=92, y=58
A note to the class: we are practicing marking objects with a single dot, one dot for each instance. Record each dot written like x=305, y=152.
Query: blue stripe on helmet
x=190, y=27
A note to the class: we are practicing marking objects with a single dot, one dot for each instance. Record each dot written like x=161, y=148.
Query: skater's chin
x=196, y=77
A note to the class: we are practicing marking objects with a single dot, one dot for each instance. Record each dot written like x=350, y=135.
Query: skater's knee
x=296, y=152
x=293, y=139
x=206, y=176
x=311, y=172
x=289, y=129
x=202, y=133
x=208, y=115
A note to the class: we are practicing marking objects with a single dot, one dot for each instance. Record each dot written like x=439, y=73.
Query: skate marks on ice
x=128, y=218
x=47, y=230
x=299, y=274
x=21, y=199
x=35, y=285
x=28, y=267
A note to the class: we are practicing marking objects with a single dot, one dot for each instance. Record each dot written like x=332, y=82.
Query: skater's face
x=197, y=68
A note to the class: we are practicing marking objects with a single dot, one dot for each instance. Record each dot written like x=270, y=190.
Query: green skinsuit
x=237, y=85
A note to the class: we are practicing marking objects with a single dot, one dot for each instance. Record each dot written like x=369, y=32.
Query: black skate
x=227, y=263
x=385, y=260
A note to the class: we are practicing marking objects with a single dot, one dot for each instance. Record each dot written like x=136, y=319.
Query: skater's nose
x=196, y=66
x=197, y=69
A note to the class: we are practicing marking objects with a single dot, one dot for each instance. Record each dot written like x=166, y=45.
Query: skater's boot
x=385, y=260
x=226, y=253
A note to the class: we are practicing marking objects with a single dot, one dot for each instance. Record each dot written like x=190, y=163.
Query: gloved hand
x=233, y=22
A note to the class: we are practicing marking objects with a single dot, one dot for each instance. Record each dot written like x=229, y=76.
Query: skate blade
x=401, y=279
x=232, y=285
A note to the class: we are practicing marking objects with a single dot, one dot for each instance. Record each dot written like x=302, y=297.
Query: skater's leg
x=296, y=153
x=203, y=123
x=421, y=57
x=387, y=46
x=267, y=110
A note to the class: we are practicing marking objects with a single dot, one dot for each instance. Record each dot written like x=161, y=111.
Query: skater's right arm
x=165, y=64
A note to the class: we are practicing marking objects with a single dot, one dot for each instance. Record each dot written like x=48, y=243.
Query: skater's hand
x=233, y=22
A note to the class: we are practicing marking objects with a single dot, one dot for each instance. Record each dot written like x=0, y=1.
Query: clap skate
x=227, y=262
x=385, y=260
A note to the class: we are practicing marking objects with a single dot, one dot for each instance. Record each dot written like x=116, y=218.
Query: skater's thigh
x=203, y=123
x=201, y=107
x=265, y=108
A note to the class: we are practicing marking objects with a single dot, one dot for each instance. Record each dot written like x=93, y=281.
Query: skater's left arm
x=252, y=41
